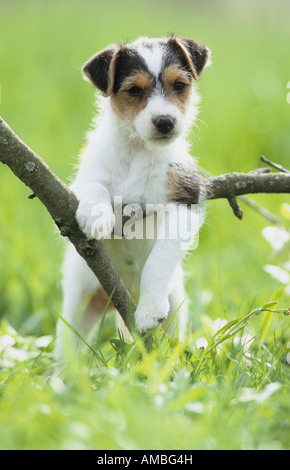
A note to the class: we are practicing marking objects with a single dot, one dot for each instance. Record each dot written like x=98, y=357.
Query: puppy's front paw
x=149, y=314
x=96, y=220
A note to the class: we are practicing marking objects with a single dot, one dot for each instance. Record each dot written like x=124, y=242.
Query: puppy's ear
x=100, y=69
x=196, y=56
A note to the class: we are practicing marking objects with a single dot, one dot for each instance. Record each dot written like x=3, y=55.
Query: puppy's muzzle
x=164, y=124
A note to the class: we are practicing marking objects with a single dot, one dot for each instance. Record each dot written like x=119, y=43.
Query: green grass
x=226, y=396
x=231, y=395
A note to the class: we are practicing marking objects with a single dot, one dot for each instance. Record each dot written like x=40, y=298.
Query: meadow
x=227, y=385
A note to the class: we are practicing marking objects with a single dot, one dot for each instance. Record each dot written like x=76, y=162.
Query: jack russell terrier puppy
x=137, y=151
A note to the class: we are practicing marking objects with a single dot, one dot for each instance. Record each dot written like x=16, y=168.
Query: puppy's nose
x=164, y=124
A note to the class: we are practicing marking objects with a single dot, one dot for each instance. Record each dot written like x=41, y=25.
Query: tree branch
x=274, y=165
x=237, y=184
x=61, y=203
x=231, y=185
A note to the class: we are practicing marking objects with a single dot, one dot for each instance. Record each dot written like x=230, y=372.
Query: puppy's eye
x=179, y=86
x=135, y=91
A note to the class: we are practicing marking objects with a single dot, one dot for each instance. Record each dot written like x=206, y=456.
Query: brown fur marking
x=129, y=106
x=184, y=184
x=169, y=76
x=96, y=307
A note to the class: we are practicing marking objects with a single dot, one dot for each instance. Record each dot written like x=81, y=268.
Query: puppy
x=137, y=151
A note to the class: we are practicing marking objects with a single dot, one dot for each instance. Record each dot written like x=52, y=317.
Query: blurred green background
x=244, y=113
x=239, y=396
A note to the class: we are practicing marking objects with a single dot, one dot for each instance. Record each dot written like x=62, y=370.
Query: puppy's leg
x=78, y=282
x=179, y=224
x=178, y=305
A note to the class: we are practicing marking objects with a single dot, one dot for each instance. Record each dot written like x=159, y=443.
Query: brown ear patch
x=195, y=55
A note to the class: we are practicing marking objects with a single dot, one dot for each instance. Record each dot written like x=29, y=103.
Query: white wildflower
x=278, y=273
x=277, y=237
x=201, y=343
x=218, y=324
x=6, y=341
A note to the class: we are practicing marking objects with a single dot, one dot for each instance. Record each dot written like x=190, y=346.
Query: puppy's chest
x=141, y=182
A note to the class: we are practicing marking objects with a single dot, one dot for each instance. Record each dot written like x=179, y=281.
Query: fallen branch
x=61, y=203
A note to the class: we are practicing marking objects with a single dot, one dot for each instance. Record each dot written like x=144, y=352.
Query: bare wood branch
x=250, y=202
x=274, y=165
x=237, y=184
x=235, y=206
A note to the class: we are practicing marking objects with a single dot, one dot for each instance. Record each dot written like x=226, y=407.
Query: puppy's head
x=150, y=84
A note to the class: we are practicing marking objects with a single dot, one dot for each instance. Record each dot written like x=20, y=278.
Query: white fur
x=157, y=105
x=122, y=159
x=151, y=52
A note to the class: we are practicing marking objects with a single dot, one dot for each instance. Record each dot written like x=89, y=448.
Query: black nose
x=164, y=124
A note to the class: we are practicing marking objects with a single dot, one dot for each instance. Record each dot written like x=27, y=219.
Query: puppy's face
x=150, y=84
